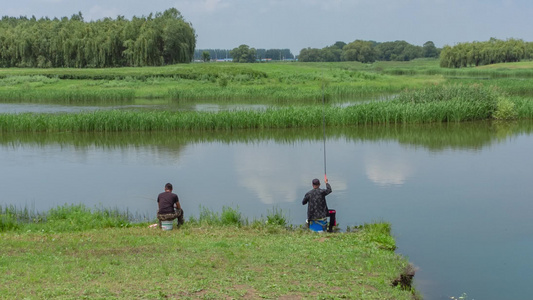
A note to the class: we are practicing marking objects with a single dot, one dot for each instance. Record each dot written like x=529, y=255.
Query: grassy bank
x=214, y=256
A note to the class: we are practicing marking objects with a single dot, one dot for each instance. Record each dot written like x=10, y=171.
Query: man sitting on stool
x=166, y=202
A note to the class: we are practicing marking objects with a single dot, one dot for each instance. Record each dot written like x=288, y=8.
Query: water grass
x=439, y=103
x=67, y=96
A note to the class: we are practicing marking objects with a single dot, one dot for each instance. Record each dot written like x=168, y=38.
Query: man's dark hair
x=168, y=186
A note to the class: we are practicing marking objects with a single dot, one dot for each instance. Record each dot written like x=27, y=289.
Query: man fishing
x=167, y=201
x=317, y=210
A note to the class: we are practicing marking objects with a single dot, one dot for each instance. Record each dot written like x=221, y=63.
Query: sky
x=298, y=24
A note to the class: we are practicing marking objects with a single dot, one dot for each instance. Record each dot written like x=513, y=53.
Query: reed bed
x=67, y=96
x=312, y=92
x=503, y=72
x=523, y=107
x=438, y=103
x=249, y=92
x=293, y=117
x=183, y=71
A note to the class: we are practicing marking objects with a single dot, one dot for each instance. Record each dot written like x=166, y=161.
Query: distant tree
x=309, y=55
x=286, y=54
x=359, y=50
x=206, y=56
x=64, y=42
x=397, y=51
x=243, y=54
x=339, y=45
x=330, y=54
x=274, y=54
x=429, y=49
x=484, y=53
x=260, y=53
x=75, y=17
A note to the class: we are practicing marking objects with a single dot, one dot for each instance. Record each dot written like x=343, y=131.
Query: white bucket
x=166, y=225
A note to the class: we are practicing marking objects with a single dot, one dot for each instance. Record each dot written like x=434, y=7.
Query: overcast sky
x=297, y=24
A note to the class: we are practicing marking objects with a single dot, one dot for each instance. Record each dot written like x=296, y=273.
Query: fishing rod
x=331, y=212
x=324, y=126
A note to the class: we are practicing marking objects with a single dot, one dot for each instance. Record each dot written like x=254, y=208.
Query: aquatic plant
x=66, y=96
x=413, y=107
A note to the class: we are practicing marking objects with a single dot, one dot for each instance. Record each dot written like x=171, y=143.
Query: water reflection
x=434, y=137
x=384, y=170
x=56, y=106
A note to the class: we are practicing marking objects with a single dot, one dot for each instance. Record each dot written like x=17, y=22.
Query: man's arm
x=306, y=199
x=328, y=189
x=177, y=204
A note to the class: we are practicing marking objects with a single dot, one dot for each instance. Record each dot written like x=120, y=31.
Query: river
x=458, y=196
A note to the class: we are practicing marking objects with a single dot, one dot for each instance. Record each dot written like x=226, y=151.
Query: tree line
x=485, y=53
x=259, y=54
x=369, y=51
x=163, y=38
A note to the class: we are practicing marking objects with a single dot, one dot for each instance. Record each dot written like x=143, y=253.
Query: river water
x=458, y=196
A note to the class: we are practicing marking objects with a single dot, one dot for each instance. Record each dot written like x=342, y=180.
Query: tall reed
x=66, y=96
x=439, y=103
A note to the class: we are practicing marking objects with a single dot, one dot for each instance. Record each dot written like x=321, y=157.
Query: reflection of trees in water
x=435, y=137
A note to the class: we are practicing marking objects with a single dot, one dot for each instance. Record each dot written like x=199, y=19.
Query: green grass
x=66, y=218
x=199, y=260
x=431, y=68
x=438, y=103
x=300, y=82
x=217, y=81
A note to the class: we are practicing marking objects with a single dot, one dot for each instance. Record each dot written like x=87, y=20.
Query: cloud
x=256, y=169
x=387, y=171
x=98, y=12
x=202, y=6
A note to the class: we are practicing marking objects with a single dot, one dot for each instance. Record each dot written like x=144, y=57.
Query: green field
x=206, y=81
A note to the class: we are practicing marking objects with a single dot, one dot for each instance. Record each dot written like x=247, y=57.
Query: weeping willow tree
x=163, y=38
x=485, y=53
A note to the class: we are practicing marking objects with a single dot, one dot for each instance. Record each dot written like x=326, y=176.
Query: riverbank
x=211, y=257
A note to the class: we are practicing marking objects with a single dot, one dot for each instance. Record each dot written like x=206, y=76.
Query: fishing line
x=324, y=123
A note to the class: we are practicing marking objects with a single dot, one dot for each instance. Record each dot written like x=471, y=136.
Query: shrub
x=505, y=110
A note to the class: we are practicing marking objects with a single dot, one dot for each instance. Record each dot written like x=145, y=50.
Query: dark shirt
x=166, y=201
x=317, y=208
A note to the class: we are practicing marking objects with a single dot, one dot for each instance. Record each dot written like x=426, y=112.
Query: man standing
x=317, y=210
x=167, y=201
